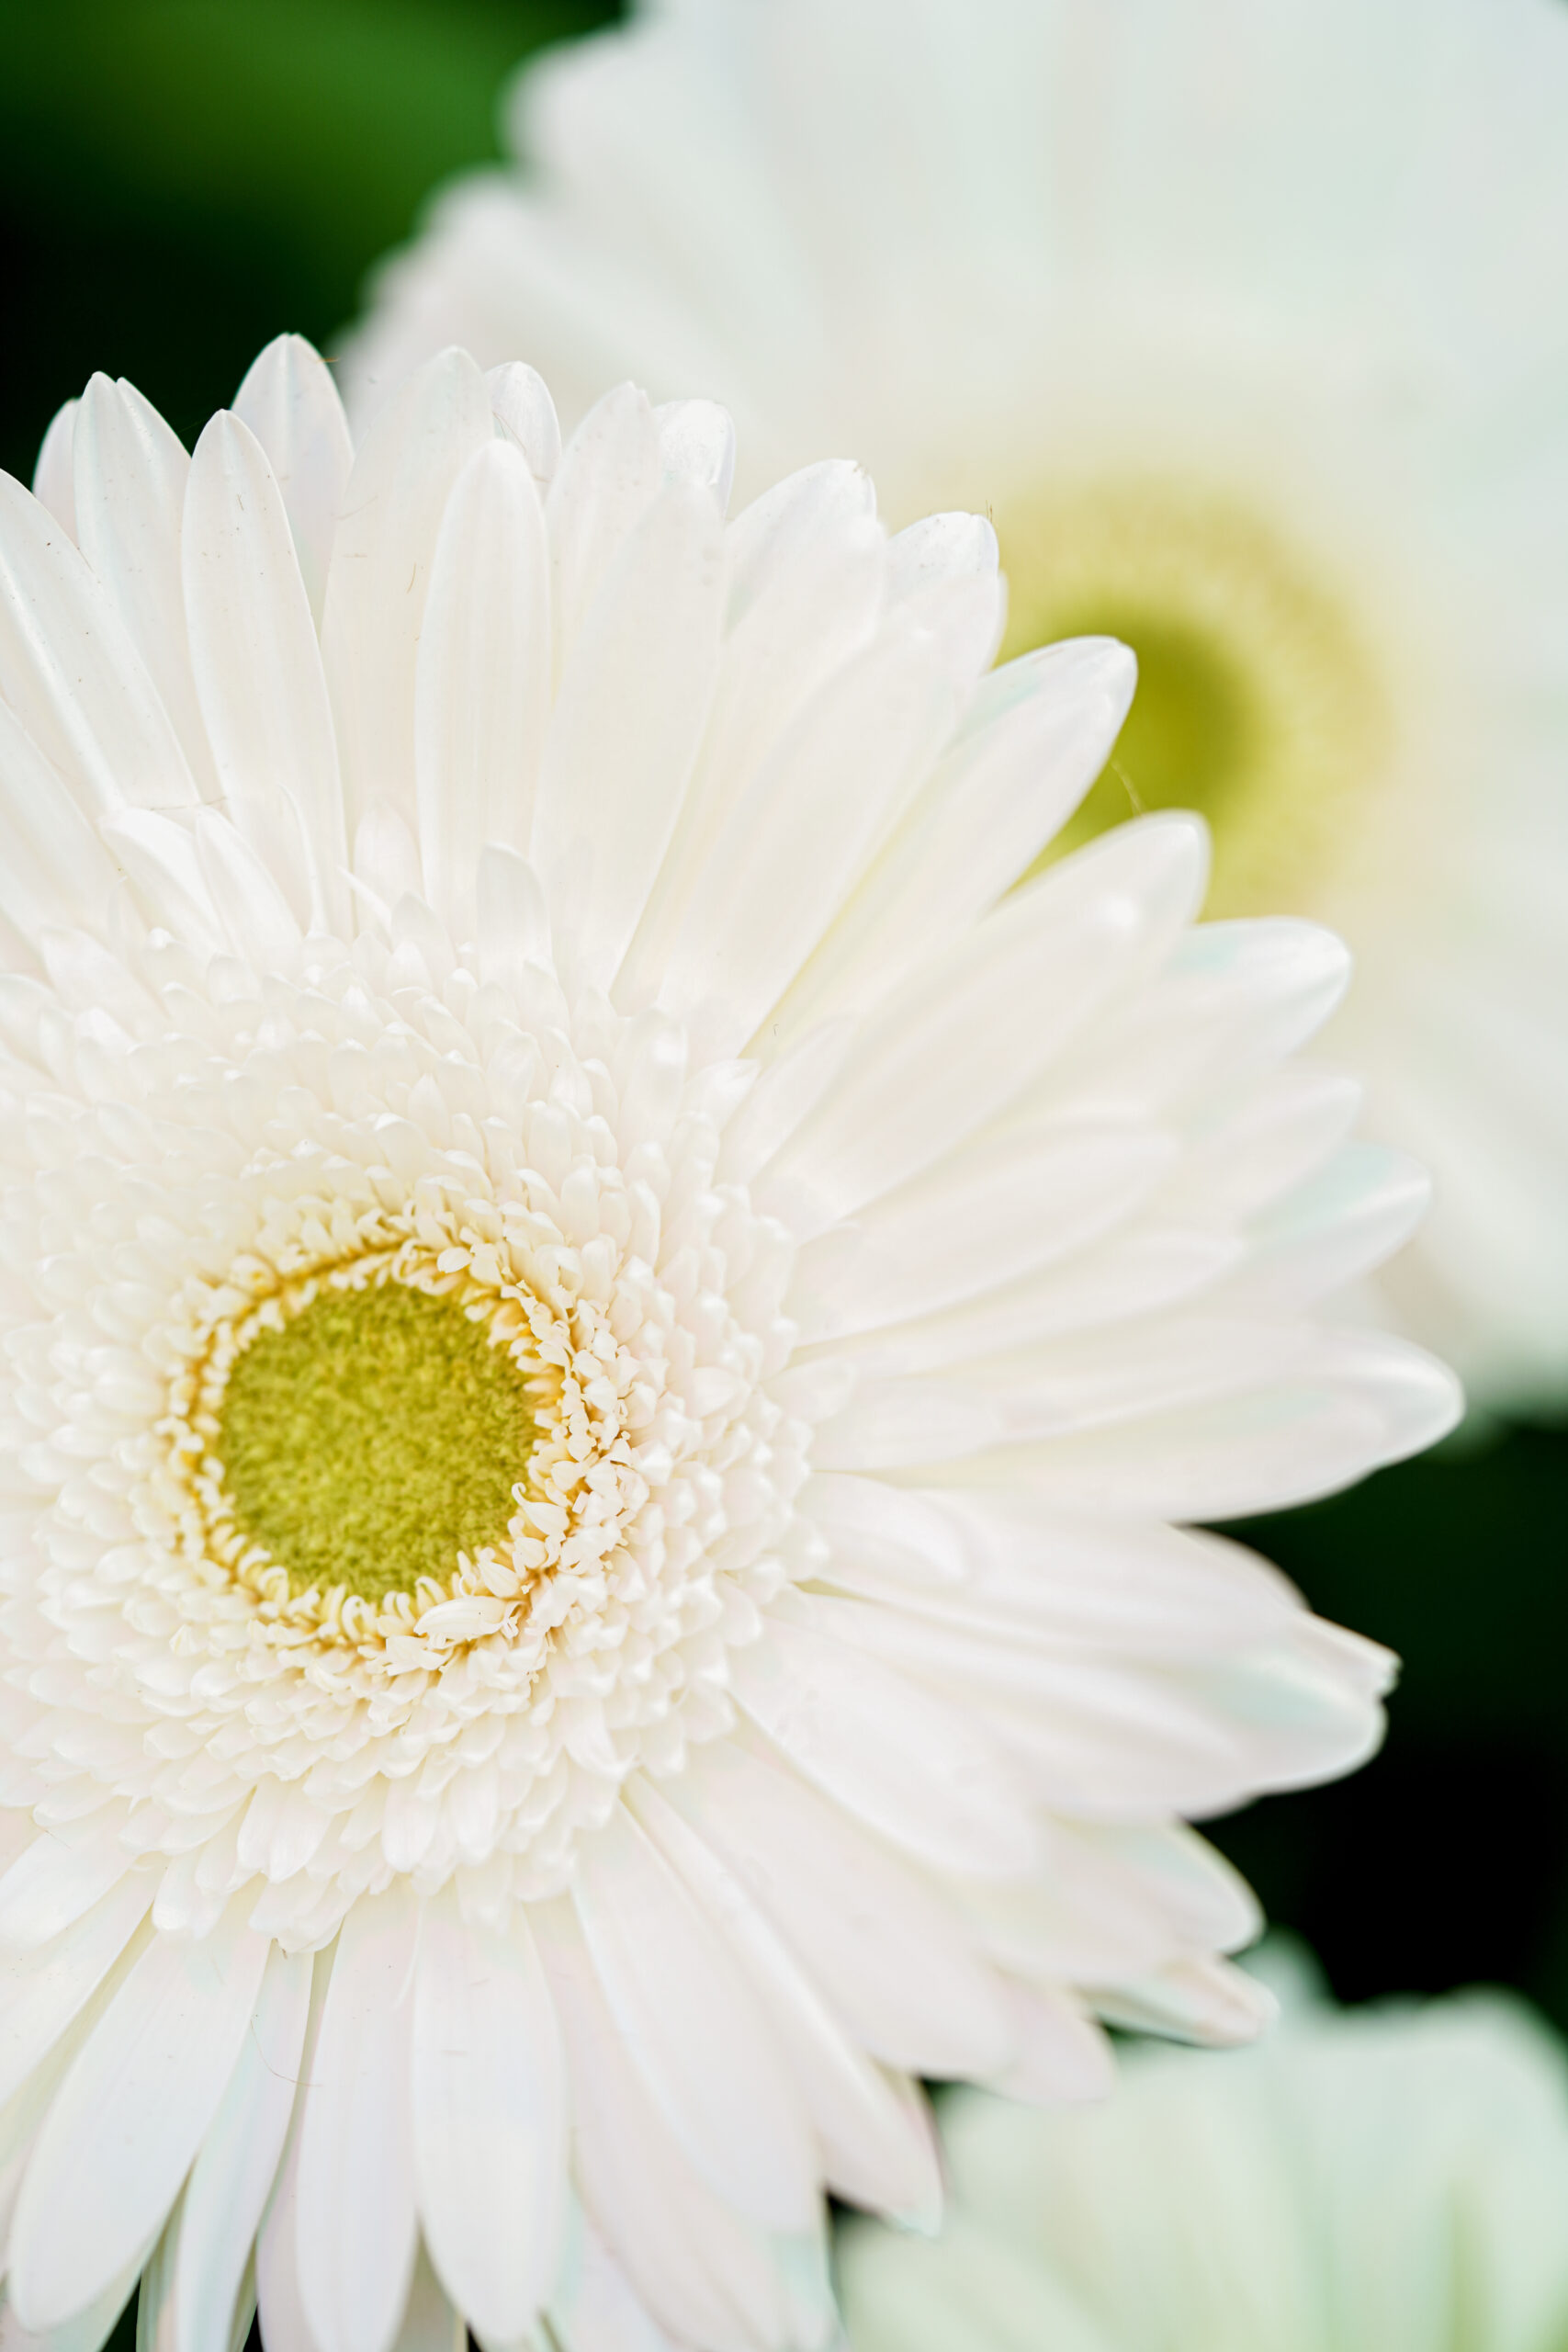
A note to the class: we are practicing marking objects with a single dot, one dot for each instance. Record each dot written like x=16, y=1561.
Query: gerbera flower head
x=1245, y=327
x=1388, y=2175
x=604, y=1329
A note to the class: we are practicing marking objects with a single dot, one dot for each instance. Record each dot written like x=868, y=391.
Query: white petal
x=70, y=672
x=1331, y=1232
x=23, y=2112
x=279, y=1830
x=1308, y=1708
x=707, y=2276
x=489, y=2119
x=51, y=1882
x=154, y=2299
x=161, y=858
x=811, y=527
x=807, y=565
x=289, y=401
x=595, y=2308
x=520, y=398
x=513, y=918
x=354, y=2217
x=1147, y=1265
x=1232, y=1001
x=797, y=841
x=943, y=570
x=482, y=685
x=1130, y=1371
x=260, y=924
x=885, y=1529
x=17, y=1832
x=386, y=856
x=632, y=706
x=1136, y=1587
x=278, y=2299
x=234, y=2173
x=130, y=473
x=1034, y=738
x=155, y=2308
x=1062, y=2055
x=896, y=1424
x=86, y=2332
x=992, y=1213
x=54, y=476
x=853, y=1913
x=1102, y=1740
x=950, y=1050
x=258, y=668
x=692, y=2029
x=915, y=1770
x=1208, y=1903
x=54, y=869
x=1291, y=1124
x=609, y=471
x=1193, y=2000
x=1361, y=1400
x=877, y=2144
x=379, y=575
x=147, y=2083
x=41, y=1994
x=696, y=445
x=1093, y=1914
x=785, y=1093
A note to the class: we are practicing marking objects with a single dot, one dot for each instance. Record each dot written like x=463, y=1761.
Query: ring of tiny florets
x=579, y=1493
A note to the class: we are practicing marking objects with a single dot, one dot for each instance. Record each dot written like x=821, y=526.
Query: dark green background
x=181, y=180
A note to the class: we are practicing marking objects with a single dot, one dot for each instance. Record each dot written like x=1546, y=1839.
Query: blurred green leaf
x=179, y=179
x=1446, y=1860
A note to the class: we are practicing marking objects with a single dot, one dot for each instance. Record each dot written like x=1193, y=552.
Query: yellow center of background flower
x=1257, y=703
x=372, y=1438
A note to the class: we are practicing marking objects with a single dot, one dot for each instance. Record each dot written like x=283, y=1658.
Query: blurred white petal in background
x=1247, y=325
x=1390, y=2179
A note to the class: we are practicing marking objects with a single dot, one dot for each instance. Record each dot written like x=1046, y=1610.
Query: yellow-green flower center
x=1257, y=702
x=371, y=1438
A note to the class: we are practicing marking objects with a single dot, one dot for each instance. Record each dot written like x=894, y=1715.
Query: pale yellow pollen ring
x=356, y=1443
x=403, y=1440
x=1260, y=700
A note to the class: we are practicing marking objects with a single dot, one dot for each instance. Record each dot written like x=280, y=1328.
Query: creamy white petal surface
x=605, y=1335
x=1388, y=2179
x=1245, y=327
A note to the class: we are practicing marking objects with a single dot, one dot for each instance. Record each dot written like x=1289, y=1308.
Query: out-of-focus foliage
x=1446, y=1861
x=179, y=179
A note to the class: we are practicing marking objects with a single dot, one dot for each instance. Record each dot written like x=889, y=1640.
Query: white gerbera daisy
x=601, y=1333
x=1391, y=2179
x=1246, y=326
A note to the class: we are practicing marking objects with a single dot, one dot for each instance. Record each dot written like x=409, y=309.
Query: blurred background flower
x=1392, y=2181
x=1245, y=328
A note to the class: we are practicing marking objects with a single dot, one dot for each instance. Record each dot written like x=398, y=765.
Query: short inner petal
x=1259, y=702
x=372, y=1437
